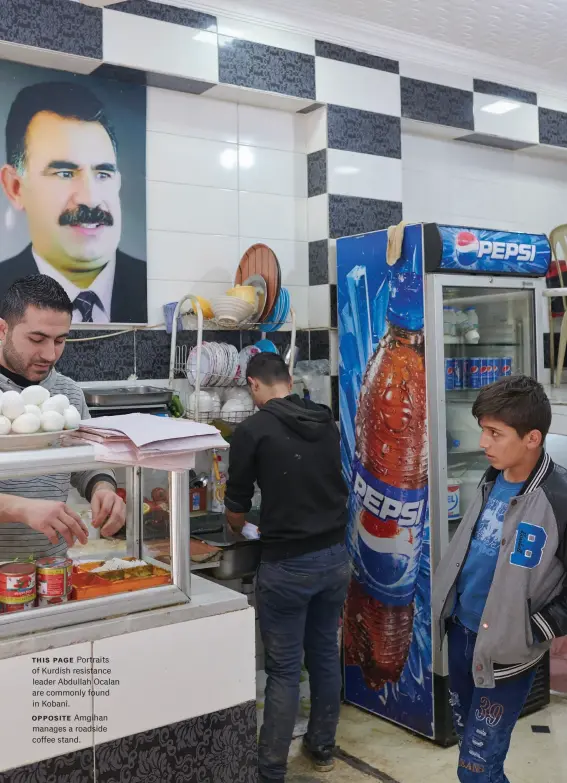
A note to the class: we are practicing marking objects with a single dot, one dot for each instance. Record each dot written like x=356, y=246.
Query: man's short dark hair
x=268, y=368
x=518, y=401
x=39, y=291
x=65, y=99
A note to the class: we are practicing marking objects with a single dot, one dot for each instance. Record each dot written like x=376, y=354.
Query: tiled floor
x=540, y=758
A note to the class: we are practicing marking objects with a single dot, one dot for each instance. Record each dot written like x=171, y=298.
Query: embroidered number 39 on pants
x=529, y=545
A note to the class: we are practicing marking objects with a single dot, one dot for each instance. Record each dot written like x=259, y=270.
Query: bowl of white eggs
x=34, y=419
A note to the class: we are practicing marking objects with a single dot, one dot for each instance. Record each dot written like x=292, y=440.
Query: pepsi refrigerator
x=427, y=315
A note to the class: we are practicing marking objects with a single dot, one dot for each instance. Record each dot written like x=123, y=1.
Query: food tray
x=126, y=396
x=35, y=440
x=89, y=585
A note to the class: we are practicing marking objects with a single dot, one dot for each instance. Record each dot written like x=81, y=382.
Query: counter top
x=207, y=599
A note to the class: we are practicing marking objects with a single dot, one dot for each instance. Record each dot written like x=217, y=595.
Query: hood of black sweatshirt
x=306, y=418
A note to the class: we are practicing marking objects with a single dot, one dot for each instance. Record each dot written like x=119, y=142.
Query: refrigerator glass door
x=487, y=334
x=478, y=329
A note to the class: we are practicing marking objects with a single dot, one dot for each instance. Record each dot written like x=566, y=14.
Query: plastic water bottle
x=389, y=492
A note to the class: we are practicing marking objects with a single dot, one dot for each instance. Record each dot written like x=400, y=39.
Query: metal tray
x=127, y=396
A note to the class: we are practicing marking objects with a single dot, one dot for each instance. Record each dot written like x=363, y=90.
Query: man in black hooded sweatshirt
x=291, y=448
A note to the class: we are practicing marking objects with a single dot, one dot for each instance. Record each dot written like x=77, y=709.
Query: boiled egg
x=59, y=403
x=5, y=425
x=12, y=405
x=26, y=424
x=72, y=418
x=34, y=395
x=52, y=421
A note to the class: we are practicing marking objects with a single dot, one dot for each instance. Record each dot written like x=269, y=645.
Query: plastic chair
x=558, y=238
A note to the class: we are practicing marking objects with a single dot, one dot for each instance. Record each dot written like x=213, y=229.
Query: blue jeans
x=484, y=718
x=299, y=603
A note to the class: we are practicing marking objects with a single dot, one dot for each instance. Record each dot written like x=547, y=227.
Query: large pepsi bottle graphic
x=389, y=489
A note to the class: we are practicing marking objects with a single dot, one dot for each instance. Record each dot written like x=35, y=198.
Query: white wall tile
x=333, y=261
x=455, y=183
x=272, y=171
x=550, y=101
x=360, y=88
x=191, y=115
x=429, y=73
x=370, y=176
x=182, y=256
x=319, y=306
x=293, y=258
x=247, y=96
x=184, y=691
x=318, y=217
x=271, y=128
x=316, y=130
x=188, y=161
x=521, y=124
x=132, y=41
x=299, y=302
x=173, y=207
x=16, y=743
x=271, y=36
x=273, y=217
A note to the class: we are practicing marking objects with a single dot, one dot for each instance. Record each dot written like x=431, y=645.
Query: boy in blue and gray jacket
x=500, y=591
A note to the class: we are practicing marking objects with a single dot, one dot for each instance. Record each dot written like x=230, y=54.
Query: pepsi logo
x=467, y=247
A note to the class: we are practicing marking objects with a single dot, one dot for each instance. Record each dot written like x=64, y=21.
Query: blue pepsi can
x=458, y=366
x=475, y=378
x=486, y=372
x=505, y=366
x=497, y=366
x=449, y=374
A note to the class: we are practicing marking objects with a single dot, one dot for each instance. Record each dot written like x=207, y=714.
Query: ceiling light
x=501, y=107
x=347, y=170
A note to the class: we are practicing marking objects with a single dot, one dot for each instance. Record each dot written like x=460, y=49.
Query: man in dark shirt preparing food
x=290, y=447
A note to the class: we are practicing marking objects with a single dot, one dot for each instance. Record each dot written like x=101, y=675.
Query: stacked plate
x=280, y=312
x=219, y=364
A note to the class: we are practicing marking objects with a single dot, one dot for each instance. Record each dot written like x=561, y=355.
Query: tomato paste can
x=17, y=587
x=54, y=577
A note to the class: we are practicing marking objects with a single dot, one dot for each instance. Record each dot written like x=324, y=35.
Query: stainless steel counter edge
x=207, y=599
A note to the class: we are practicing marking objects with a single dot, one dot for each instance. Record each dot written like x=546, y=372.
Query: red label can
x=54, y=576
x=17, y=586
x=53, y=600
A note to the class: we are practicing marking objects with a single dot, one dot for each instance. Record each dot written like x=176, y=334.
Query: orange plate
x=87, y=585
x=260, y=260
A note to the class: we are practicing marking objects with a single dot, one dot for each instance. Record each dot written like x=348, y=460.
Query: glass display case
x=92, y=588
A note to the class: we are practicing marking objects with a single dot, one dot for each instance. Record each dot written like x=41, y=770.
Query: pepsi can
x=475, y=378
x=449, y=374
x=458, y=364
x=486, y=373
x=505, y=366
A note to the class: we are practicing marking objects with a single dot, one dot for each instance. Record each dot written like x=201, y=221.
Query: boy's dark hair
x=518, y=401
x=269, y=368
x=67, y=100
x=39, y=291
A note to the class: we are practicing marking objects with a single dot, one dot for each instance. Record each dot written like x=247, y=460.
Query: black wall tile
x=110, y=359
x=335, y=396
x=349, y=215
x=319, y=344
x=505, y=91
x=168, y=13
x=364, y=131
x=437, y=104
x=334, y=305
x=53, y=24
x=317, y=173
x=220, y=746
x=319, y=262
x=77, y=767
x=347, y=55
x=552, y=127
x=269, y=68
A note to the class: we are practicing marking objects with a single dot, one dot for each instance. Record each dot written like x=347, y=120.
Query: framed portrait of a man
x=72, y=189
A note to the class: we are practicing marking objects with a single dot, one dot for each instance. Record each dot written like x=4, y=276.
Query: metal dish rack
x=179, y=356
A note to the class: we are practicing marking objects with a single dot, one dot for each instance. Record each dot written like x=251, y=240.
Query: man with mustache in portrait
x=62, y=170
